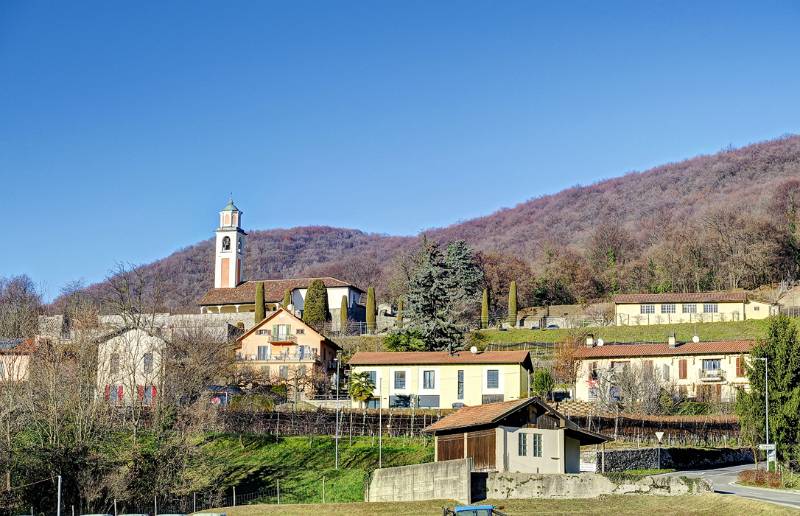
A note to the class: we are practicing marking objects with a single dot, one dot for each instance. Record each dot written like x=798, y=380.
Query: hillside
x=648, y=206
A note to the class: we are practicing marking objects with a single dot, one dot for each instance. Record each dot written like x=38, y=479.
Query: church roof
x=245, y=292
x=230, y=206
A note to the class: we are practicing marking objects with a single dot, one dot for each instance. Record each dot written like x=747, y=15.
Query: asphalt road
x=723, y=480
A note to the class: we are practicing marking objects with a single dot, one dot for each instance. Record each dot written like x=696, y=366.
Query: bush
x=760, y=477
x=693, y=408
x=404, y=341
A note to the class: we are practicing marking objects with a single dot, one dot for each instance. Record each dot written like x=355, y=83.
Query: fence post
x=234, y=496
x=279, y=491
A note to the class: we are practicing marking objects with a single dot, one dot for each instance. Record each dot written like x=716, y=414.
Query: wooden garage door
x=449, y=447
x=481, y=447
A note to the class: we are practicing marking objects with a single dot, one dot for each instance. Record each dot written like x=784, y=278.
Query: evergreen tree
x=464, y=280
x=485, y=309
x=371, y=310
x=543, y=382
x=343, y=315
x=315, y=311
x=512, y=304
x=400, y=306
x=781, y=348
x=260, y=307
x=287, y=298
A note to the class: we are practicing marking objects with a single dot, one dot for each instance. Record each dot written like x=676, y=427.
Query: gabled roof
x=440, y=358
x=17, y=346
x=691, y=297
x=663, y=349
x=272, y=315
x=494, y=413
x=245, y=293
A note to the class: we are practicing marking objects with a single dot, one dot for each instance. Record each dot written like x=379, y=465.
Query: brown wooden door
x=449, y=447
x=481, y=447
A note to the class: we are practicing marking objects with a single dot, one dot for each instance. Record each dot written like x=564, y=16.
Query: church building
x=232, y=294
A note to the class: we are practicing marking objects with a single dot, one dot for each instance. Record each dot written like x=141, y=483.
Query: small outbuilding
x=526, y=436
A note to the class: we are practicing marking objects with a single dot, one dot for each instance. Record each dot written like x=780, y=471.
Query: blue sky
x=125, y=125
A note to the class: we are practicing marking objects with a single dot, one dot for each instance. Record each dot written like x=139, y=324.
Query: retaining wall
x=671, y=458
x=445, y=480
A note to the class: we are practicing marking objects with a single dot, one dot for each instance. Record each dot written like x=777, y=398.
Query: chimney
x=590, y=340
x=671, y=341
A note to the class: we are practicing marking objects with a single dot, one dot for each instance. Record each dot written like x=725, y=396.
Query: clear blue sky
x=124, y=125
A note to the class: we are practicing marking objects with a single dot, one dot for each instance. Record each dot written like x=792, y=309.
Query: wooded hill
x=727, y=220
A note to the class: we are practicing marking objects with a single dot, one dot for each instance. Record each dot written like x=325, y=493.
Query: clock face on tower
x=226, y=244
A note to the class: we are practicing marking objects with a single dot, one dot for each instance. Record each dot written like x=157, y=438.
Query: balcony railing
x=712, y=375
x=295, y=356
x=282, y=338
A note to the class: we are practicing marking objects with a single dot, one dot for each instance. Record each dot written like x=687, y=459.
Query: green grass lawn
x=251, y=462
x=753, y=329
x=711, y=504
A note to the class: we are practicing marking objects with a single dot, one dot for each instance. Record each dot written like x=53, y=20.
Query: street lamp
x=766, y=397
x=338, y=381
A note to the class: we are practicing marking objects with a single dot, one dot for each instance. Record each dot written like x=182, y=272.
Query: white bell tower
x=229, y=248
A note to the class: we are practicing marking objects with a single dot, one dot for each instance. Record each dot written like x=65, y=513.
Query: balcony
x=282, y=339
x=309, y=355
x=712, y=375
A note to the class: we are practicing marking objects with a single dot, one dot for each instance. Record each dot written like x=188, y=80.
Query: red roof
x=691, y=297
x=18, y=347
x=478, y=415
x=663, y=349
x=438, y=357
x=245, y=293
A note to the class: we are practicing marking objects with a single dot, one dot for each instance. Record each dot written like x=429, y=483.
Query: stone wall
x=671, y=458
x=445, y=480
x=501, y=486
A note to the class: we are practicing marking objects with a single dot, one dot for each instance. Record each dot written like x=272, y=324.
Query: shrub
x=404, y=341
x=760, y=477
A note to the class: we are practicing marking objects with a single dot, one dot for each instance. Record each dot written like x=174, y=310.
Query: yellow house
x=15, y=356
x=284, y=348
x=439, y=379
x=671, y=308
x=706, y=371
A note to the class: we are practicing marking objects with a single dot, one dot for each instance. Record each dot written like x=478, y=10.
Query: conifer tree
x=485, y=309
x=512, y=304
x=371, y=310
x=315, y=309
x=343, y=315
x=260, y=308
x=400, y=306
x=287, y=298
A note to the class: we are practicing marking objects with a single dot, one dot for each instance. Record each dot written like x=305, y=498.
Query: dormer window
x=226, y=244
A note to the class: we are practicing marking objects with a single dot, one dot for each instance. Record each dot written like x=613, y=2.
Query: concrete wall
x=585, y=485
x=553, y=457
x=446, y=480
x=671, y=458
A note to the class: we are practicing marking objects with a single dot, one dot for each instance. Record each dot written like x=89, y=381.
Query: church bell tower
x=229, y=248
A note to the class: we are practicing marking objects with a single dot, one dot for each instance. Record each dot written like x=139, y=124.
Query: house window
x=399, y=380
x=226, y=244
x=593, y=371
x=740, y=370
x=428, y=379
x=710, y=308
x=263, y=332
x=647, y=309
x=373, y=377
x=283, y=372
x=148, y=363
x=300, y=331
x=263, y=353
x=281, y=330
x=668, y=309
x=682, y=369
x=492, y=379
x=619, y=366
x=460, y=384
x=522, y=444
x=301, y=371
x=713, y=364
x=594, y=392
x=114, y=363
x=690, y=308
x=537, y=445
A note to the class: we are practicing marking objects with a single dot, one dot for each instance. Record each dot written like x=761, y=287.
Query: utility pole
x=58, y=498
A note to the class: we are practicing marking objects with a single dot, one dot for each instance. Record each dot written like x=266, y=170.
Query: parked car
x=552, y=326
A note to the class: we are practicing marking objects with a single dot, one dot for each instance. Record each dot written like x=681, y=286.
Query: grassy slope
x=634, y=505
x=752, y=329
x=252, y=462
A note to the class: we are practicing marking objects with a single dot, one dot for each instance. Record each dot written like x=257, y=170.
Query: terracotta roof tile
x=692, y=297
x=438, y=357
x=18, y=347
x=477, y=415
x=273, y=290
x=663, y=349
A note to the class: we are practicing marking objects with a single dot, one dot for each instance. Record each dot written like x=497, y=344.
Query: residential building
x=129, y=366
x=671, y=308
x=232, y=294
x=705, y=371
x=15, y=356
x=439, y=379
x=284, y=348
x=524, y=435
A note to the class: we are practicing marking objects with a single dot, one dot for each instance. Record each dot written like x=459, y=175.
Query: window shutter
x=739, y=366
x=682, y=369
x=154, y=391
x=120, y=393
x=140, y=391
x=108, y=392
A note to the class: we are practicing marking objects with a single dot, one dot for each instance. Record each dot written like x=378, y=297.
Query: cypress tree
x=485, y=309
x=287, y=298
x=260, y=309
x=371, y=310
x=400, y=306
x=512, y=304
x=315, y=311
x=343, y=315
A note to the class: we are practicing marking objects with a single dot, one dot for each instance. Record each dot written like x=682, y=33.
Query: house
x=439, y=379
x=671, y=308
x=129, y=366
x=231, y=294
x=524, y=435
x=706, y=371
x=565, y=316
x=284, y=348
x=15, y=356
